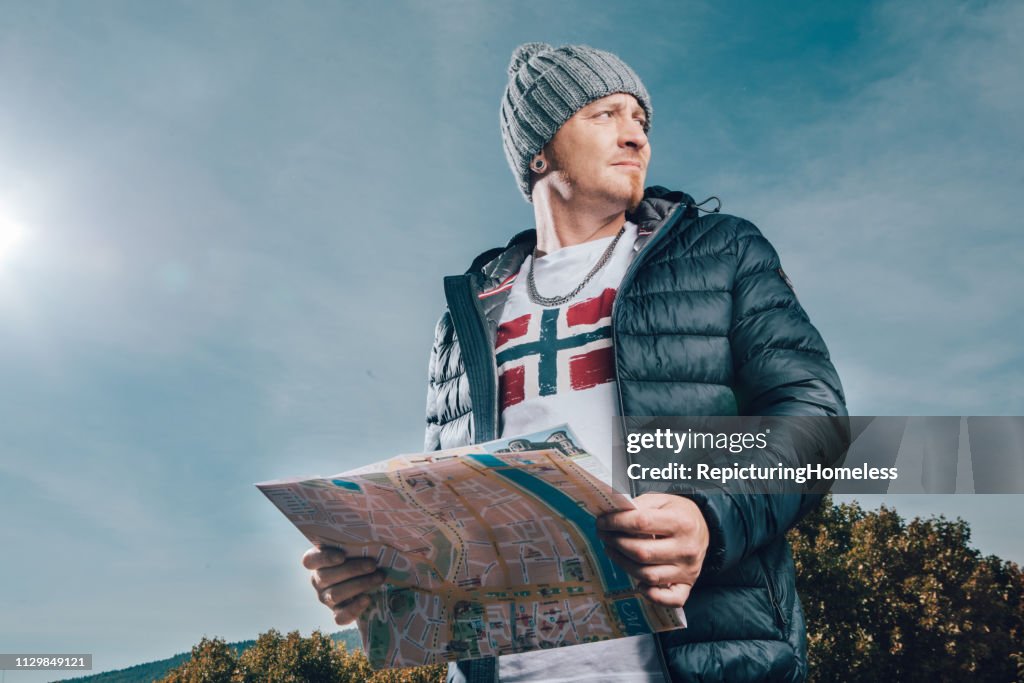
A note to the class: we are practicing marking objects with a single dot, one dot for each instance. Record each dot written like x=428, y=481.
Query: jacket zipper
x=477, y=353
x=627, y=280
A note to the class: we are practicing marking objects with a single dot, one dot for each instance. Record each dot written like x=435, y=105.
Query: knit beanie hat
x=546, y=86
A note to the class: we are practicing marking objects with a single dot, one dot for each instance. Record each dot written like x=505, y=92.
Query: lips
x=635, y=164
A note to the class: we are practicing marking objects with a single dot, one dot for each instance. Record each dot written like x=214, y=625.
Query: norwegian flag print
x=556, y=350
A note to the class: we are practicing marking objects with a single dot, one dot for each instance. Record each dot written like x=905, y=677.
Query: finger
x=335, y=595
x=675, y=595
x=325, y=556
x=651, y=550
x=641, y=522
x=649, y=574
x=329, y=576
x=351, y=610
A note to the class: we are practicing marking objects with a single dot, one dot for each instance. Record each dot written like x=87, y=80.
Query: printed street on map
x=489, y=549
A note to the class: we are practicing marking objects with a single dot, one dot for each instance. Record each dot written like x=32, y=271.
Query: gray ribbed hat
x=546, y=86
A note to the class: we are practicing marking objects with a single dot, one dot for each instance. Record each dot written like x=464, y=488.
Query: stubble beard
x=633, y=198
x=637, y=196
x=568, y=180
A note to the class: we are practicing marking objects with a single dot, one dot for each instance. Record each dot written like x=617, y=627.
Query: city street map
x=489, y=549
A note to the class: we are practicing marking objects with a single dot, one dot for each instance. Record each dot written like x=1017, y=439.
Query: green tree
x=292, y=659
x=211, y=661
x=887, y=599
x=275, y=658
x=420, y=674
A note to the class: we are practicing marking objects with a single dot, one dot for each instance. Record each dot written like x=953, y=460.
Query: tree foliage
x=291, y=659
x=887, y=599
x=212, y=661
x=276, y=658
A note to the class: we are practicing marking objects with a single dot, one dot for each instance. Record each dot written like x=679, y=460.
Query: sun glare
x=12, y=235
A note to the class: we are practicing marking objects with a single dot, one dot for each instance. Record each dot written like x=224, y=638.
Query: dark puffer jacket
x=704, y=323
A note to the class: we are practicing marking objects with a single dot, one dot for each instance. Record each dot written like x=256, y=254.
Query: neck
x=565, y=223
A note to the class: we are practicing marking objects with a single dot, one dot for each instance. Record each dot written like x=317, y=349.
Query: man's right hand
x=342, y=584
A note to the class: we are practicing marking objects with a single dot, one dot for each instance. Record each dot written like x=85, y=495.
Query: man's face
x=601, y=153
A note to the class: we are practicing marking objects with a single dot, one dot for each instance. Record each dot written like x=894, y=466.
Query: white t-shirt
x=557, y=364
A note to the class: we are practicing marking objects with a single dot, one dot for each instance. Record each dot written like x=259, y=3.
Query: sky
x=223, y=228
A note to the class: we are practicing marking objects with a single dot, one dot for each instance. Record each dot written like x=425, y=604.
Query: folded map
x=489, y=549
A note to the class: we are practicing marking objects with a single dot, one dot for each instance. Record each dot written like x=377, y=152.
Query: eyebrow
x=619, y=106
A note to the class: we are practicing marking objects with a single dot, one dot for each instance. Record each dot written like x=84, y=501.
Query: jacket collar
x=498, y=267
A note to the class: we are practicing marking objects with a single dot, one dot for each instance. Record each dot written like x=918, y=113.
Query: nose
x=632, y=134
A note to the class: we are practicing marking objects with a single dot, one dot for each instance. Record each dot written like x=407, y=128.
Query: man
x=627, y=302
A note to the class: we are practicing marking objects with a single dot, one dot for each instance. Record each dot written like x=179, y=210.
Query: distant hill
x=152, y=671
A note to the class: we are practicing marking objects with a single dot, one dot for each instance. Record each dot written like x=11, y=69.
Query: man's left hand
x=661, y=544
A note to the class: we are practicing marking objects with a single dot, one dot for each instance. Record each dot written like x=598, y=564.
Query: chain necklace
x=531, y=283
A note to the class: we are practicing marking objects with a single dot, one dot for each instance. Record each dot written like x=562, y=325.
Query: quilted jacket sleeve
x=432, y=436
x=781, y=367
x=449, y=409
